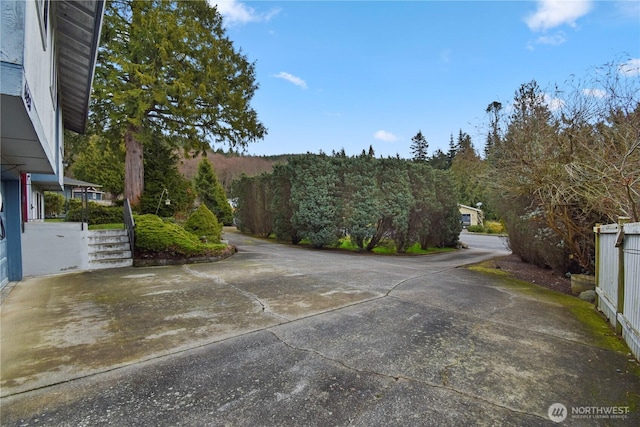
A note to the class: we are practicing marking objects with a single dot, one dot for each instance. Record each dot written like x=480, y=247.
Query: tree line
x=322, y=198
x=566, y=160
x=556, y=162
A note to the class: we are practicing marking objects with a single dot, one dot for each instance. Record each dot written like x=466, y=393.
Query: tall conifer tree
x=167, y=67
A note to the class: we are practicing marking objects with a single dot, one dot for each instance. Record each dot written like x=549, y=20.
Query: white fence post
x=618, y=278
x=622, y=220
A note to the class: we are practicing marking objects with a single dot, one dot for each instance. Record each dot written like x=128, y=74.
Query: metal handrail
x=129, y=223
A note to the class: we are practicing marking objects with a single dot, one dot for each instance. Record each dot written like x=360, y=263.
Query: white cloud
x=596, y=93
x=627, y=9
x=630, y=68
x=235, y=12
x=554, y=104
x=554, y=13
x=383, y=135
x=554, y=40
x=291, y=78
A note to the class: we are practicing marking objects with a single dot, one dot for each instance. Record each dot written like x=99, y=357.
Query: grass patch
x=417, y=250
x=386, y=247
x=384, y=250
x=113, y=226
x=389, y=248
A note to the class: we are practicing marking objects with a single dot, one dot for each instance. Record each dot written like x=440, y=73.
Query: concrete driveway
x=280, y=335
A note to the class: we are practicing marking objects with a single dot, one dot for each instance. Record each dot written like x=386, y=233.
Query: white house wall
x=11, y=41
x=38, y=71
x=54, y=247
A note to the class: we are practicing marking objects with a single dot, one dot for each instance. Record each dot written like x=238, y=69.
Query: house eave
x=78, y=25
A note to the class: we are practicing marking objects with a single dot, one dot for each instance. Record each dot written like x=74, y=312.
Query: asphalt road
x=279, y=335
x=492, y=243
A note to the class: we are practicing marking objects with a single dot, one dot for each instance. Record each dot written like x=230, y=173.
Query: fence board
x=607, y=287
x=631, y=311
x=626, y=317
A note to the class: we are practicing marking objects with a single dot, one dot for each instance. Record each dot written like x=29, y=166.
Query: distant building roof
x=464, y=206
x=78, y=183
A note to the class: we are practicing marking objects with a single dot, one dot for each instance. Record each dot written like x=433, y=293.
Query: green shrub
x=73, y=204
x=494, y=227
x=98, y=214
x=153, y=235
x=53, y=204
x=476, y=229
x=203, y=223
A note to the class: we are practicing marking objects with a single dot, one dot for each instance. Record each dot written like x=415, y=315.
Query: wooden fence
x=618, y=279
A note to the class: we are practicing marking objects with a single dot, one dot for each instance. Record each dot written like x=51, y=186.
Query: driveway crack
x=264, y=305
x=396, y=378
x=402, y=282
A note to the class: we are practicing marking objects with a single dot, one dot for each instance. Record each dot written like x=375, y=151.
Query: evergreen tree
x=423, y=190
x=313, y=198
x=167, y=67
x=360, y=199
x=493, y=136
x=440, y=160
x=101, y=163
x=419, y=147
x=395, y=202
x=162, y=171
x=212, y=193
x=445, y=225
x=469, y=172
x=452, y=150
x=282, y=206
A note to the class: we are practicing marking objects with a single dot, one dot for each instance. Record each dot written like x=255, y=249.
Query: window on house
x=53, y=84
x=43, y=17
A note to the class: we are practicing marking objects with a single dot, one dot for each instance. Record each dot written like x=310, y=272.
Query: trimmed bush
x=53, y=204
x=98, y=214
x=494, y=227
x=476, y=229
x=203, y=223
x=157, y=237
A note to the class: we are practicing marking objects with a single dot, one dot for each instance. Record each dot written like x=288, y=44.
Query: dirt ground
x=533, y=274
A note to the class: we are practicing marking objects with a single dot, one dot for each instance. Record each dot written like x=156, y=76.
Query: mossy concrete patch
x=603, y=335
x=592, y=321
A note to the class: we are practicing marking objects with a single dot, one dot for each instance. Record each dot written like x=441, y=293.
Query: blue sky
x=349, y=74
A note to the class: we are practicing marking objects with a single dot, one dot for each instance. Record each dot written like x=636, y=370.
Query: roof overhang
x=71, y=182
x=78, y=26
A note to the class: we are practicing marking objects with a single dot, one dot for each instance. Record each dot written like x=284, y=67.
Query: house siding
x=32, y=115
x=12, y=32
x=39, y=62
x=473, y=215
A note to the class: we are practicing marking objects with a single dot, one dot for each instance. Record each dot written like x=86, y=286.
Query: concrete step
x=108, y=239
x=109, y=255
x=109, y=249
x=111, y=232
x=110, y=263
x=110, y=246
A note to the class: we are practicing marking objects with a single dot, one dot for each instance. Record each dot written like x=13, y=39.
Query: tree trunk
x=134, y=166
